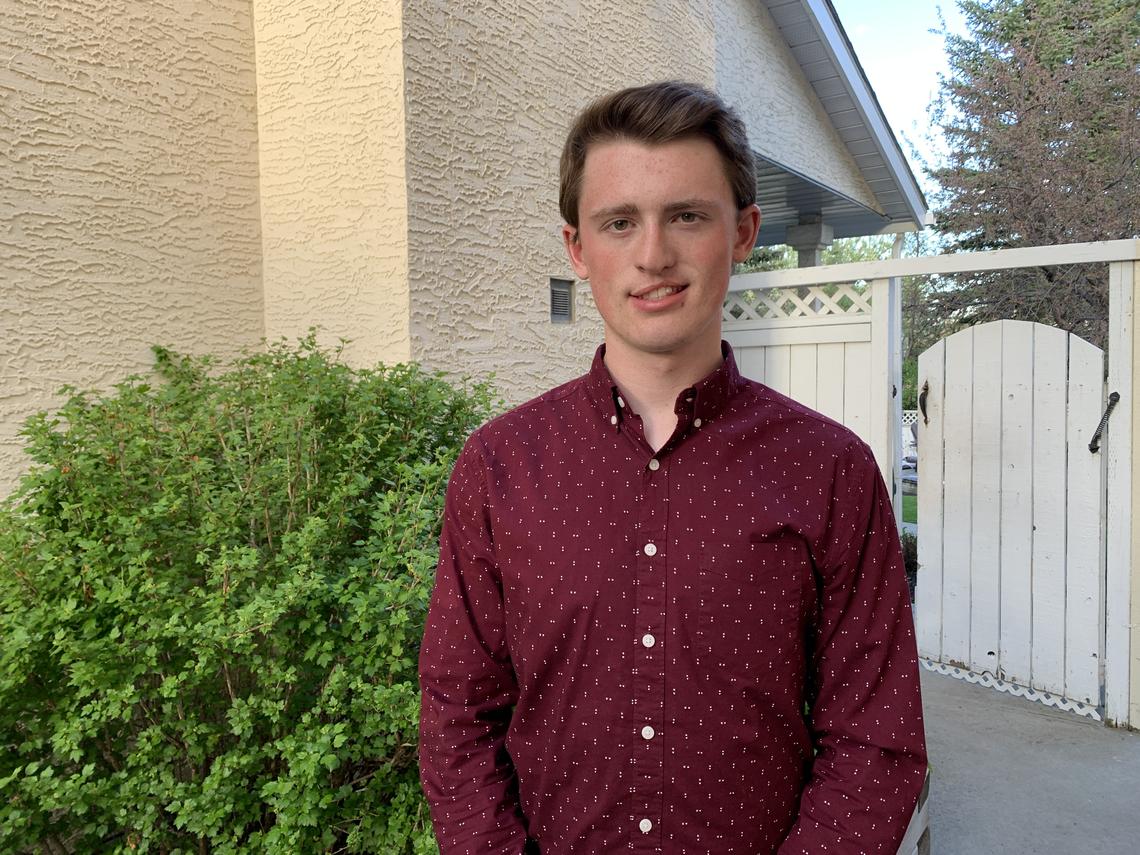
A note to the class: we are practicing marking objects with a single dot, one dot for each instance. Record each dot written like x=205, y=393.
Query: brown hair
x=655, y=114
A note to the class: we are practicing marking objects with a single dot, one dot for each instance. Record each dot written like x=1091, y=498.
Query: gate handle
x=922, y=401
x=1094, y=446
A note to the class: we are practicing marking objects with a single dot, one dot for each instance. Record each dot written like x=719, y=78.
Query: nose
x=655, y=252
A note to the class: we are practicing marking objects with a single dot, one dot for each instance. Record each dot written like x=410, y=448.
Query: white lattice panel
x=814, y=301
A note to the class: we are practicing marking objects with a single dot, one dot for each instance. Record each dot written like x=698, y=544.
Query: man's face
x=658, y=233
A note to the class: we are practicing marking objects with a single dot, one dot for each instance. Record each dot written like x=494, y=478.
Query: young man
x=670, y=613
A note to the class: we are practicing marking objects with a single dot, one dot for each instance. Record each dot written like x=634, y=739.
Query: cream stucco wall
x=756, y=72
x=334, y=209
x=128, y=208
x=491, y=89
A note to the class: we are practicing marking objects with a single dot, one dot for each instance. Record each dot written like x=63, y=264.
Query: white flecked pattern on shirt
x=762, y=558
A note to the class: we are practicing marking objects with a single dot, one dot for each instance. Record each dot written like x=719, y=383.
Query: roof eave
x=846, y=66
x=842, y=54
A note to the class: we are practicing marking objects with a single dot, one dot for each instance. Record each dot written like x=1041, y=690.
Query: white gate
x=1011, y=510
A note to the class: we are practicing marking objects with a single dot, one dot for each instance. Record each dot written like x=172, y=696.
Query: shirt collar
x=705, y=399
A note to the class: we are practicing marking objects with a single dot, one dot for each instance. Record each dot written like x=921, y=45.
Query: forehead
x=629, y=171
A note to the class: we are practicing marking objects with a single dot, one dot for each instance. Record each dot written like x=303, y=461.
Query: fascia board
x=841, y=53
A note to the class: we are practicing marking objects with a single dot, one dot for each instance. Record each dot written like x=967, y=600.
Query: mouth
x=658, y=293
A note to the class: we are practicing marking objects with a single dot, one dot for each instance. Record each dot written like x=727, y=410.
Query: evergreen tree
x=1040, y=116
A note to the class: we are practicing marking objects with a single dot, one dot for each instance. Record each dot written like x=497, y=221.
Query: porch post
x=1122, y=591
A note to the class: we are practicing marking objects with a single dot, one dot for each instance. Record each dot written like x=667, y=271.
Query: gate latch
x=1094, y=446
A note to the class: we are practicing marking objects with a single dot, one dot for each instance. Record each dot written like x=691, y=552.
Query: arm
x=866, y=713
x=468, y=684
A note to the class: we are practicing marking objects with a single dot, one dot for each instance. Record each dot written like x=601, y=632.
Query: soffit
x=816, y=39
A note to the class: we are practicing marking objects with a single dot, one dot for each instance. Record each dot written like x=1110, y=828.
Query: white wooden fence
x=791, y=342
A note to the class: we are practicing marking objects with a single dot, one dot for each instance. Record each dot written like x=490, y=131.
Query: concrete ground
x=1015, y=776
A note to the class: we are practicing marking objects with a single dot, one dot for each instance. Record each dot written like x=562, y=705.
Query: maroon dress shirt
x=621, y=644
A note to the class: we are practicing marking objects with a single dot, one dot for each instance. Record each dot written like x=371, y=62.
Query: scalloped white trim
x=992, y=682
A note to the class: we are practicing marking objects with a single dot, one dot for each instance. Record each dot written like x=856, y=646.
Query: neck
x=650, y=383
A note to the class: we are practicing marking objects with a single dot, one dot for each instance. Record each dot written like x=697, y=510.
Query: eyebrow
x=624, y=210
x=689, y=204
x=627, y=209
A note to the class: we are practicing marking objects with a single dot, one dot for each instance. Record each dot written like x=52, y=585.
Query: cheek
x=717, y=259
x=716, y=250
x=604, y=267
x=601, y=295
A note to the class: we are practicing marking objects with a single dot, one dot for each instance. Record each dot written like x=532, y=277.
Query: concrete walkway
x=1014, y=776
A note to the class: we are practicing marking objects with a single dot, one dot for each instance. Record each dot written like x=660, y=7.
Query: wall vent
x=561, y=301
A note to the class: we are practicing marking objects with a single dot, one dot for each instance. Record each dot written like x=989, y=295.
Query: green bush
x=212, y=591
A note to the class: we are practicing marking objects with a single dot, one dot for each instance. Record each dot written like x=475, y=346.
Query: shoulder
x=789, y=421
x=543, y=414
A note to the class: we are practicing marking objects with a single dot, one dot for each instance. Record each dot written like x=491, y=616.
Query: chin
x=665, y=347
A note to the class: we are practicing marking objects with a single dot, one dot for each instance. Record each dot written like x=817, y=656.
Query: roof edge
x=826, y=21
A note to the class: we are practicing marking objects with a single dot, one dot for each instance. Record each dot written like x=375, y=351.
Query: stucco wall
x=334, y=210
x=491, y=89
x=129, y=212
x=756, y=72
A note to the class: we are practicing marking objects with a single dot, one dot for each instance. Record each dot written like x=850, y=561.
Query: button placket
x=649, y=675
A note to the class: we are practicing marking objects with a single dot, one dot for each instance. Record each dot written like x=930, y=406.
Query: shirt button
x=654, y=464
x=650, y=549
x=646, y=826
x=696, y=422
x=648, y=640
x=621, y=403
x=613, y=420
x=647, y=732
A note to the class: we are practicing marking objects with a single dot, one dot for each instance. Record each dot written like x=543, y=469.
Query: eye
x=619, y=226
x=688, y=216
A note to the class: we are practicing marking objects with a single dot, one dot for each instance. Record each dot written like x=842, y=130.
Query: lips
x=658, y=292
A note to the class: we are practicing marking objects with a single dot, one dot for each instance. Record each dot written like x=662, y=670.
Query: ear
x=747, y=227
x=571, y=239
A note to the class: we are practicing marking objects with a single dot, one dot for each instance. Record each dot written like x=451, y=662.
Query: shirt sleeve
x=866, y=711
x=467, y=682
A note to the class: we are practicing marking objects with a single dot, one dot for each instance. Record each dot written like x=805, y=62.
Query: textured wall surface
x=331, y=113
x=757, y=73
x=491, y=89
x=128, y=208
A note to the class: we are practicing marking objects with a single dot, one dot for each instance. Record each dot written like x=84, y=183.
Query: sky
x=902, y=59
